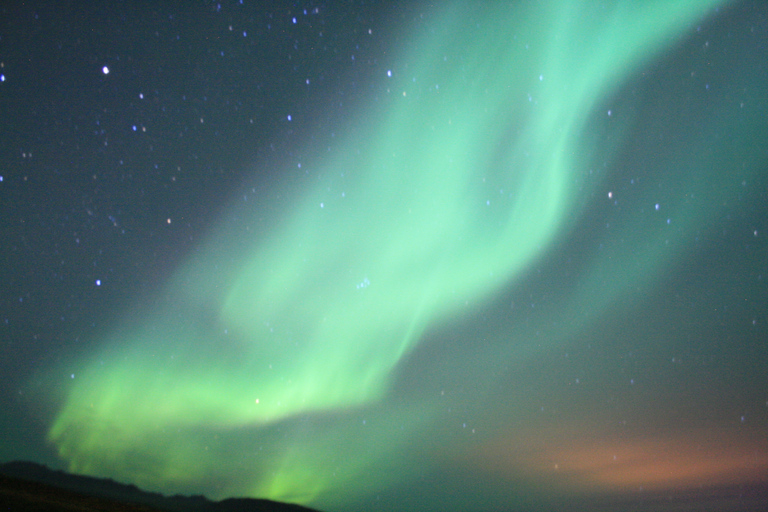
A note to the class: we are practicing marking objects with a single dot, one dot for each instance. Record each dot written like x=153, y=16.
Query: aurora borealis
x=522, y=266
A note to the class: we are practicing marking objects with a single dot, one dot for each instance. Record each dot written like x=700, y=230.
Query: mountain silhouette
x=32, y=487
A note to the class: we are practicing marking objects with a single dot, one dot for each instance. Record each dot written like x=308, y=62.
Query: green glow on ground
x=472, y=168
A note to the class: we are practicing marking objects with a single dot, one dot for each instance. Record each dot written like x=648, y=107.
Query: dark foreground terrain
x=30, y=487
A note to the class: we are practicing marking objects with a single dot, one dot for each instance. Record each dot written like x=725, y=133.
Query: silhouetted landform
x=31, y=487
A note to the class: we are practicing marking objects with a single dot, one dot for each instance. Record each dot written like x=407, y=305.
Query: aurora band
x=466, y=171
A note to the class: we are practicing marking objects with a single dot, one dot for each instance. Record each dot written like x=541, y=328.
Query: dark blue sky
x=385, y=256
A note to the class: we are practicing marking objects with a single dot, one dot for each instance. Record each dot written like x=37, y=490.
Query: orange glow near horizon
x=671, y=461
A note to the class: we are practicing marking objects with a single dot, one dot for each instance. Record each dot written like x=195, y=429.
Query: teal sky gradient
x=277, y=362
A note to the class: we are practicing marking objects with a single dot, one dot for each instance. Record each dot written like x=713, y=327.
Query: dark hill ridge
x=27, y=487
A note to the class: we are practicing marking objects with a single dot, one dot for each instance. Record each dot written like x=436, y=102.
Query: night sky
x=389, y=256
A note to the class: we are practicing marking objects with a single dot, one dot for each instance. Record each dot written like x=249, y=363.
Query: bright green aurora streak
x=471, y=168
